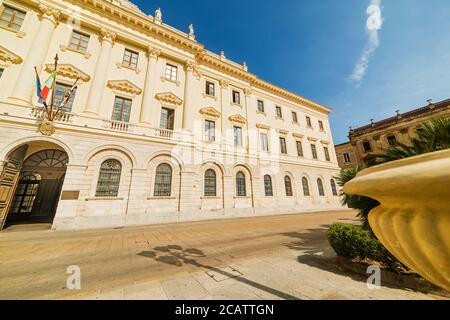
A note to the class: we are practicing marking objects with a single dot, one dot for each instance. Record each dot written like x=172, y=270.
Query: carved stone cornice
x=108, y=35
x=210, y=112
x=124, y=86
x=298, y=136
x=69, y=71
x=325, y=142
x=312, y=139
x=9, y=57
x=282, y=132
x=169, y=97
x=54, y=15
x=263, y=126
x=238, y=119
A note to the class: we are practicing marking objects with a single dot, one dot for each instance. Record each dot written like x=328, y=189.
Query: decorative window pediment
x=282, y=132
x=9, y=57
x=238, y=119
x=297, y=136
x=69, y=71
x=324, y=142
x=124, y=86
x=311, y=139
x=262, y=126
x=169, y=97
x=210, y=112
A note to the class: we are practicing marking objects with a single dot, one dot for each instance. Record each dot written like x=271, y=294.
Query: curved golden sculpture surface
x=413, y=220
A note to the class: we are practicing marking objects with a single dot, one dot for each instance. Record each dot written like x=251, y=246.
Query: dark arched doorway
x=38, y=188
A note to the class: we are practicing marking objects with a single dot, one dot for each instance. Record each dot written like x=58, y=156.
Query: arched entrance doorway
x=35, y=190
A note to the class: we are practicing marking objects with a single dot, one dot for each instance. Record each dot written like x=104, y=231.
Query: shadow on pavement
x=178, y=256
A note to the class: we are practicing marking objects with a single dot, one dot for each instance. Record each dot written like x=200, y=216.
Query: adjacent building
x=367, y=141
x=158, y=130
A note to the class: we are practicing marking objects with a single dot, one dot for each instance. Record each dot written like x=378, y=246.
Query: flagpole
x=37, y=77
x=63, y=102
x=50, y=114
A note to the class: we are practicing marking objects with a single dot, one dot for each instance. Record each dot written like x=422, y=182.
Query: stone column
x=247, y=93
x=26, y=84
x=188, y=109
x=149, y=87
x=98, y=81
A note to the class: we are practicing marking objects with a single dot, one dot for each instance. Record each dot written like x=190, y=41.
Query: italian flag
x=49, y=85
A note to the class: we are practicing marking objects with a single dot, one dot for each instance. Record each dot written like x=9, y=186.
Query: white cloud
x=373, y=26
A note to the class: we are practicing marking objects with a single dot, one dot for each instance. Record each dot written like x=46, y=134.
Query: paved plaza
x=278, y=257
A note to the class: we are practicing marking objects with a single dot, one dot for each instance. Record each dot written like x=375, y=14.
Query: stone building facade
x=372, y=139
x=159, y=128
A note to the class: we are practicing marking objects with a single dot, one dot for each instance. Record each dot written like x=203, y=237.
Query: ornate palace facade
x=158, y=130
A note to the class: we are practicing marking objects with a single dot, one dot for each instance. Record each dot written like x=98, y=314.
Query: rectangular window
x=314, y=151
x=237, y=136
x=327, y=153
x=1, y=72
x=346, y=157
x=283, y=148
x=308, y=122
x=299, y=149
x=210, y=88
x=236, y=97
x=264, y=143
x=60, y=92
x=210, y=130
x=278, y=112
x=12, y=18
x=171, y=72
x=122, y=108
x=392, y=140
x=260, y=106
x=79, y=41
x=167, y=118
x=367, y=147
x=294, y=117
x=321, y=126
x=130, y=59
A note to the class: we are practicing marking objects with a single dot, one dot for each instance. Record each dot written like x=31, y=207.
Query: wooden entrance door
x=8, y=181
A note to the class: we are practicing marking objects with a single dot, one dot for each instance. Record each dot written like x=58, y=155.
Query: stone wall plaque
x=70, y=195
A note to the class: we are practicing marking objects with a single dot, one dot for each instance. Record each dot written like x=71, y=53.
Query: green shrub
x=353, y=242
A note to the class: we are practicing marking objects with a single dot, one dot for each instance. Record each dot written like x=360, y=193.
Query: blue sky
x=312, y=47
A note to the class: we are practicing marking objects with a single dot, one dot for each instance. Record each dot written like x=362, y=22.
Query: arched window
x=268, y=189
x=320, y=186
x=163, y=181
x=305, y=185
x=210, y=183
x=241, y=189
x=333, y=187
x=288, y=186
x=109, y=179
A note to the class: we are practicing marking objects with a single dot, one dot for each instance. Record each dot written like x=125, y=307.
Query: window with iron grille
x=314, y=151
x=210, y=183
x=109, y=179
x=333, y=187
x=288, y=186
x=327, y=153
x=167, y=119
x=130, y=59
x=237, y=136
x=268, y=189
x=260, y=106
x=163, y=181
x=283, y=148
x=320, y=187
x=210, y=88
x=60, y=92
x=12, y=17
x=122, y=109
x=299, y=148
x=241, y=190
x=210, y=130
x=79, y=41
x=308, y=122
x=305, y=185
x=264, y=143
x=279, y=112
x=236, y=97
x=171, y=72
x=346, y=157
x=25, y=194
